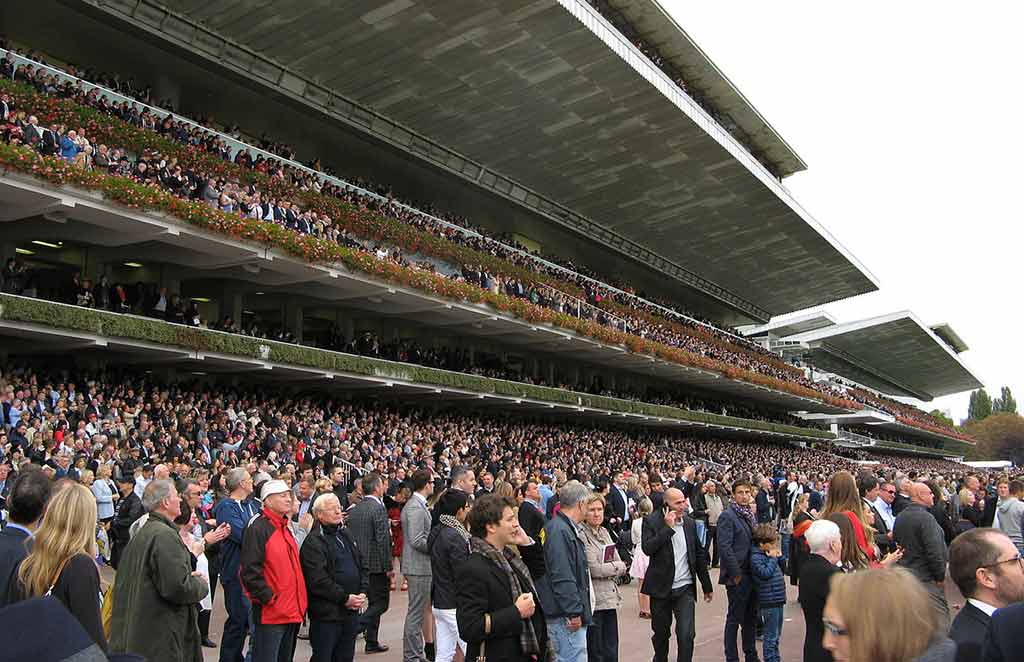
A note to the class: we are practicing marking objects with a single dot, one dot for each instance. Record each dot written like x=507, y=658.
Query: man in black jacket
x=1003, y=641
x=129, y=509
x=26, y=502
x=666, y=534
x=531, y=520
x=985, y=565
x=335, y=583
x=826, y=544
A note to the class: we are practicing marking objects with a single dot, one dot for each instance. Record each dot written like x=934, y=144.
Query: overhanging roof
x=950, y=337
x=895, y=354
x=657, y=27
x=791, y=325
x=561, y=113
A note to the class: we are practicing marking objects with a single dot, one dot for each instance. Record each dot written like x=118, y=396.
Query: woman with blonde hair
x=638, y=568
x=62, y=561
x=800, y=519
x=904, y=633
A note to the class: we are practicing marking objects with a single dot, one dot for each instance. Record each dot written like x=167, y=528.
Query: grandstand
x=525, y=186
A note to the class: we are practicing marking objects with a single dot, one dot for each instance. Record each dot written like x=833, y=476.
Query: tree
x=980, y=406
x=1005, y=402
x=1000, y=436
x=941, y=416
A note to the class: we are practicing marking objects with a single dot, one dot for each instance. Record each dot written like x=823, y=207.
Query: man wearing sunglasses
x=986, y=567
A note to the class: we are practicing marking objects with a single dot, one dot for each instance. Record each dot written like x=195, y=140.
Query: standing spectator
x=638, y=569
x=564, y=590
x=416, y=563
x=735, y=527
x=157, y=590
x=335, y=583
x=1010, y=511
x=986, y=567
x=924, y=549
x=129, y=510
x=902, y=498
x=677, y=561
x=449, y=551
x=368, y=522
x=715, y=506
x=800, y=521
x=605, y=565
x=531, y=520
x=826, y=545
x=272, y=576
x=496, y=602
x=105, y=494
x=883, y=504
x=765, y=502
x=26, y=502
x=867, y=486
x=62, y=562
x=770, y=585
x=236, y=510
x=912, y=631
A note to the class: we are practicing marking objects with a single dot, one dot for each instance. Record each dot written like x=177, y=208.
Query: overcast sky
x=908, y=116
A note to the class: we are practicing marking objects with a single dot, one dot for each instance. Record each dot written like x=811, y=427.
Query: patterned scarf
x=519, y=581
x=745, y=512
x=450, y=521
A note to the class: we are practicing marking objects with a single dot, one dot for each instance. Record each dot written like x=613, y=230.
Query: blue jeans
x=236, y=627
x=334, y=641
x=569, y=646
x=742, y=612
x=772, y=631
x=785, y=551
x=274, y=642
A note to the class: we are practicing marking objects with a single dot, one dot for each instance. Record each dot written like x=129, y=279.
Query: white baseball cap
x=274, y=487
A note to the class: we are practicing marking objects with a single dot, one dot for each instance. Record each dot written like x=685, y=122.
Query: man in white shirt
x=988, y=570
x=883, y=503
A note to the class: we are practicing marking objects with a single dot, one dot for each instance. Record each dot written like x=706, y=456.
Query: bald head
x=922, y=494
x=674, y=499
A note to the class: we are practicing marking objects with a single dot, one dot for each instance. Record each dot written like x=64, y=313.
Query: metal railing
x=856, y=438
x=582, y=310
x=236, y=145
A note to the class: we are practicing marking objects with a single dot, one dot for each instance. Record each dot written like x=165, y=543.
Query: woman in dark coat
x=798, y=551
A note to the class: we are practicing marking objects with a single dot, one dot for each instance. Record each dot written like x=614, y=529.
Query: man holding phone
x=677, y=561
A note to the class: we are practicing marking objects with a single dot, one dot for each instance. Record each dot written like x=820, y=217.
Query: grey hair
x=573, y=493
x=321, y=501
x=155, y=493
x=234, y=478
x=820, y=534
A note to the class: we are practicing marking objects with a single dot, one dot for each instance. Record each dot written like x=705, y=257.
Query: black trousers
x=680, y=604
x=712, y=544
x=334, y=641
x=603, y=637
x=379, y=597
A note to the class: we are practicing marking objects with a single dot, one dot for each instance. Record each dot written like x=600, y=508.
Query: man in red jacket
x=272, y=577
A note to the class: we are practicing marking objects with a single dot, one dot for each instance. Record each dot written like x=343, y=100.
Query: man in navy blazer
x=1003, y=641
x=26, y=503
x=985, y=565
x=673, y=588
x=735, y=527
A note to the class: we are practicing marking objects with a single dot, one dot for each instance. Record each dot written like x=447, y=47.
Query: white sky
x=908, y=115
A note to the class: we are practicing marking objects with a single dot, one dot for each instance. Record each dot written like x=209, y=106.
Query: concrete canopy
x=562, y=114
x=895, y=354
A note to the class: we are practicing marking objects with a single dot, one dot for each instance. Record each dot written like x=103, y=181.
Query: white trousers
x=446, y=635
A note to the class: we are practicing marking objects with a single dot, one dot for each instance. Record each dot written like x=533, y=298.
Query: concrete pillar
x=166, y=88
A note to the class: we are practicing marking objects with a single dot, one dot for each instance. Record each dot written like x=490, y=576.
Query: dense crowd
x=198, y=484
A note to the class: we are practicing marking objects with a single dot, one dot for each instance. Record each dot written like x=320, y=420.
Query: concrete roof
x=791, y=325
x=657, y=27
x=559, y=111
x=950, y=337
x=895, y=354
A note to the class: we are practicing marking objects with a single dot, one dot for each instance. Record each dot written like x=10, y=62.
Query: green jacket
x=155, y=597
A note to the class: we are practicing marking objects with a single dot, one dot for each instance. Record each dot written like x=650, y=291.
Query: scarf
x=745, y=513
x=450, y=521
x=519, y=581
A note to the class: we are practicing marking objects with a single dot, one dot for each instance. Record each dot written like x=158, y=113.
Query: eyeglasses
x=890, y=491
x=834, y=629
x=1019, y=559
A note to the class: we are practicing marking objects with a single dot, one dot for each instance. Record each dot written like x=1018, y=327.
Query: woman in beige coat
x=605, y=565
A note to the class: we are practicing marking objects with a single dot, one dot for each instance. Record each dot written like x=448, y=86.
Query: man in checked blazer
x=416, y=520
x=370, y=528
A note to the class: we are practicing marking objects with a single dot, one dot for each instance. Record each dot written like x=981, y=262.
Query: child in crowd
x=765, y=564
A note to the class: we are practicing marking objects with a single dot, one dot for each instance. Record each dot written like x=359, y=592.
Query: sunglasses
x=834, y=629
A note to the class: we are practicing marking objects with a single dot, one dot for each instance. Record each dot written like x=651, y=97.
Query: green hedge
x=61, y=316
x=927, y=450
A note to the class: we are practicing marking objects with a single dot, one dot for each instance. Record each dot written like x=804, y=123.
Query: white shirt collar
x=984, y=606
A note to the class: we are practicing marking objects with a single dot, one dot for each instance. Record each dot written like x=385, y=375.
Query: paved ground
x=634, y=633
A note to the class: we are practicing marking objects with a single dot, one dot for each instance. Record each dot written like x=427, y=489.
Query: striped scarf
x=519, y=581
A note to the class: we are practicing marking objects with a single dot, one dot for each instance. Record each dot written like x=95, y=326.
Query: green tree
x=940, y=415
x=999, y=436
x=1005, y=402
x=980, y=406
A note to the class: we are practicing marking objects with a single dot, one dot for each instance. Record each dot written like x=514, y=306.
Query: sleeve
x=471, y=601
x=595, y=559
x=382, y=531
x=935, y=550
x=233, y=516
x=102, y=496
x=703, y=574
x=419, y=525
x=172, y=573
x=726, y=553
x=558, y=550
x=762, y=566
x=319, y=584
x=991, y=650
x=253, y=559
x=653, y=537
x=83, y=590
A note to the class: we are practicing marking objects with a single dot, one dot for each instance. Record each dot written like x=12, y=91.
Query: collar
x=277, y=520
x=19, y=527
x=419, y=496
x=983, y=606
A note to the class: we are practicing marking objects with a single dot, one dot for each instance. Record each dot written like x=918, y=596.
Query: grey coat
x=924, y=545
x=370, y=528
x=415, y=530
